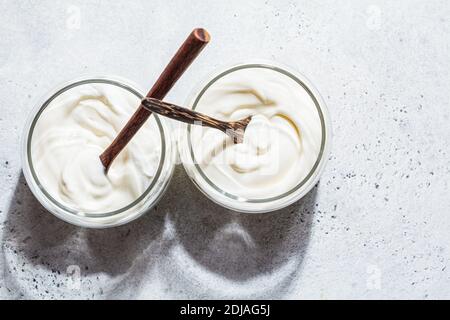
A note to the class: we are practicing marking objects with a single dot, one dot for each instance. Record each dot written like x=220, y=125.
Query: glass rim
x=41, y=106
x=318, y=103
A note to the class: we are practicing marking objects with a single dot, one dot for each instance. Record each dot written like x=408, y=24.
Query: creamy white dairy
x=72, y=132
x=281, y=143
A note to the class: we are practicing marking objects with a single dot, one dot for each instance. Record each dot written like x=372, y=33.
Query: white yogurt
x=73, y=131
x=281, y=143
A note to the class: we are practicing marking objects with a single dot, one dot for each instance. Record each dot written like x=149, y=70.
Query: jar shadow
x=40, y=252
x=214, y=252
x=197, y=248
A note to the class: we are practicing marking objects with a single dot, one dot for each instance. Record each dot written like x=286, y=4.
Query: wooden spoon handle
x=234, y=129
x=188, y=51
x=185, y=55
x=184, y=114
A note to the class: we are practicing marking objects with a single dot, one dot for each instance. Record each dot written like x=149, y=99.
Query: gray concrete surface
x=376, y=226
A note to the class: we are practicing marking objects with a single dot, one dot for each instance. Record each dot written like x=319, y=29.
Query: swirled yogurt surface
x=71, y=133
x=281, y=143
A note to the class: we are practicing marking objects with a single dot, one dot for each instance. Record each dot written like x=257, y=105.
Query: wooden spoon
x=234, y=129
x=188, y=51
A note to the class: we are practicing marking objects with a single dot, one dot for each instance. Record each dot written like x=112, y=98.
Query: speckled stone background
x=376, y=226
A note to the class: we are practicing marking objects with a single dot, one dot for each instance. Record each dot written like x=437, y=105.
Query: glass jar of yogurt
x=63, y=138
x=286, y=144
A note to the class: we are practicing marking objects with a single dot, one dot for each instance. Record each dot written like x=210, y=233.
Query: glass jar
x=118, y=217
x=233, y=201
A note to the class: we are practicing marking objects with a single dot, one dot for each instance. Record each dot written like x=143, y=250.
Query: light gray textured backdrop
x=376, y=226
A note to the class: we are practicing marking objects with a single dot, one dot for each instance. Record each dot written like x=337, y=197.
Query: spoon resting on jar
x=234, y=129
